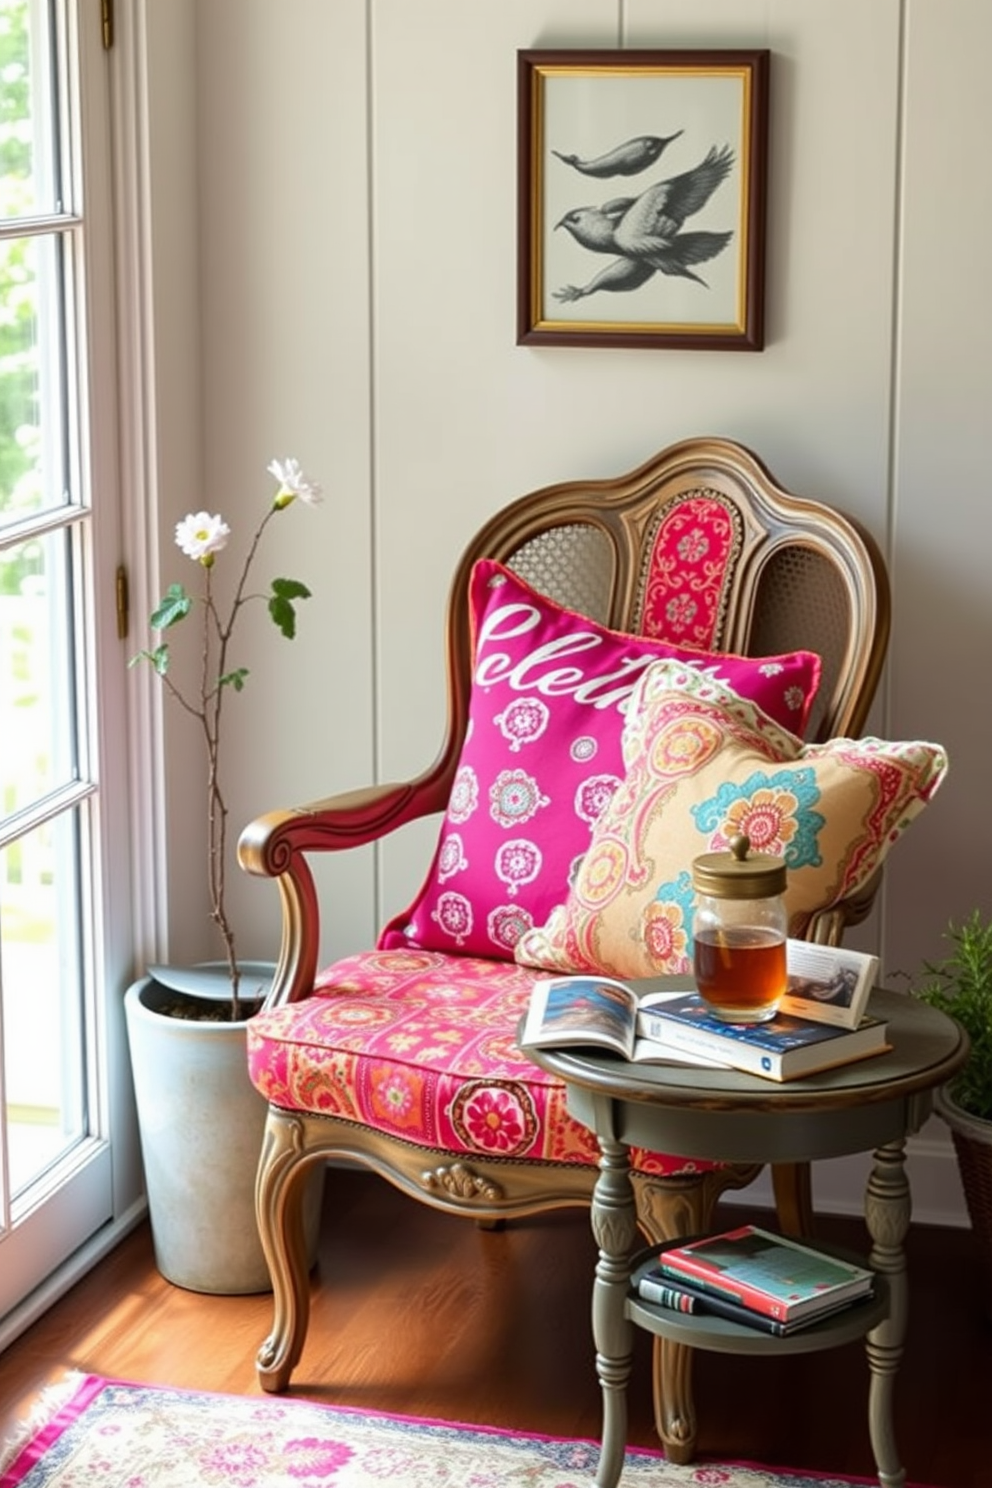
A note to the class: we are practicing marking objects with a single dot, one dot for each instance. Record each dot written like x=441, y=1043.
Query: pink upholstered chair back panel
x=689, y=568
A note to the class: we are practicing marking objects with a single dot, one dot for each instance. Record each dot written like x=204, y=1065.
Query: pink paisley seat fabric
x=421, y=1045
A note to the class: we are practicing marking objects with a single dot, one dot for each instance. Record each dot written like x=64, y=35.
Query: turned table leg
x=887, y=1213
x=675, y=1406
x=614, y=1225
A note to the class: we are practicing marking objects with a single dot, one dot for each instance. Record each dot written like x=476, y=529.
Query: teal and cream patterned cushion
x=702, y=765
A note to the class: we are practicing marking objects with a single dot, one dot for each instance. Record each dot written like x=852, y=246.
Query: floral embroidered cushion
x=703, y=765
x=542, y=757
x=422, y=1046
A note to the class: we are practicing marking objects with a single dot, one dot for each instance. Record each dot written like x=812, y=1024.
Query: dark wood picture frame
x=642, y=180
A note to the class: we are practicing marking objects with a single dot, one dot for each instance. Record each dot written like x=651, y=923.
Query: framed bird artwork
x=641, y=211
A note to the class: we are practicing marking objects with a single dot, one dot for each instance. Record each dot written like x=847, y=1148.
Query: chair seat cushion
x=422, y=1046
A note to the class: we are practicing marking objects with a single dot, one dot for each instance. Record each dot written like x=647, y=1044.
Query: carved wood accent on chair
x=796, y=575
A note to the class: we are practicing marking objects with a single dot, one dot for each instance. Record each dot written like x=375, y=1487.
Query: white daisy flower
x=292, y=483
x=201, y=536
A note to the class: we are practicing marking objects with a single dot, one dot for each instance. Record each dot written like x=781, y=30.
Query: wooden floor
x=423, y=1314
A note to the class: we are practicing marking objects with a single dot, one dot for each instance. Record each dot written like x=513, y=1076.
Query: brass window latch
x=123, y=605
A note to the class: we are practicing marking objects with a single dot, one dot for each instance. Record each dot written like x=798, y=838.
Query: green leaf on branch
x=284, y=591
x=235, y=679
x=175, y=606
x=159, y=659
x=290, y=589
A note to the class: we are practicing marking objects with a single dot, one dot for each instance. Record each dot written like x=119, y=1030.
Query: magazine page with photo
x=827, y=984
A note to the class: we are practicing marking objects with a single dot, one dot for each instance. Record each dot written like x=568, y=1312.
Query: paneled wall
x=355, y=236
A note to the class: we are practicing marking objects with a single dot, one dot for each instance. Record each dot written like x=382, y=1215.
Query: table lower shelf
x=707, y=1331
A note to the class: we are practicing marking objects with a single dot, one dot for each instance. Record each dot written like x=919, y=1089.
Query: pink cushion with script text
x=542, y=758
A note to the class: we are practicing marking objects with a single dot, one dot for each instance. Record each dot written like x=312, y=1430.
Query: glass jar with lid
x=739, y=932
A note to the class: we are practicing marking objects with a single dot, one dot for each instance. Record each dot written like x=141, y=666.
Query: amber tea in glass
x=740, y=971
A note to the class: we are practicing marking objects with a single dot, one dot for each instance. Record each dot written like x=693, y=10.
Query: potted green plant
x=201, y=1121
x=961, y=984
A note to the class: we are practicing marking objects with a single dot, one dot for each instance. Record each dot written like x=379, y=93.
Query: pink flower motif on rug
x=239, y=1464
x=312, y=1457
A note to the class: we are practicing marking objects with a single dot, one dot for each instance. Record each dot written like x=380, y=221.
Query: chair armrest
x=350, y=819
x=275, y=846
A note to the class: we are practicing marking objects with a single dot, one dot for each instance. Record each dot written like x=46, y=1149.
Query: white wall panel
x=173, y=446
x=461, y=415
x=284, y=233
x=940, y=664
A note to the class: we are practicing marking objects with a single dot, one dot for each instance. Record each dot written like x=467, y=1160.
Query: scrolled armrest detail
x=267, y=845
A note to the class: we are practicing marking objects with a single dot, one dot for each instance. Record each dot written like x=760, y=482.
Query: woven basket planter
x=972, y=1139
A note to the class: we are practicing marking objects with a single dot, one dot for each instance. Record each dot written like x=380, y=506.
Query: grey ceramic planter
x=201, y=1122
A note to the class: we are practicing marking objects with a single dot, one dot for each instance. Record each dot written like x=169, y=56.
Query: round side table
x=872, y=1105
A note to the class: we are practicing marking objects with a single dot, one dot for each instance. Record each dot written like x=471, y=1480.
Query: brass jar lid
x=739, y=873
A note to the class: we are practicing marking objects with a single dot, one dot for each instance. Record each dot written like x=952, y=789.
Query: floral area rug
x=111, y=1434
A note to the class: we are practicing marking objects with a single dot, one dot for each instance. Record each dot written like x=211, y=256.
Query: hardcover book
x=680, y=1295
x=767, y=1273
x=783, y=1048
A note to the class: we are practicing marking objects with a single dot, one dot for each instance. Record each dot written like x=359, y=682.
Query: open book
x=567, y=1011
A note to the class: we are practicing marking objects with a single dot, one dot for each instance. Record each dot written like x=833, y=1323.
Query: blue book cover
x=776, y=1034
x=779, y=1048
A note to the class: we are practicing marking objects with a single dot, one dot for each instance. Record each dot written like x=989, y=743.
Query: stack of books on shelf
x=821, y=1021
x=752, y=1276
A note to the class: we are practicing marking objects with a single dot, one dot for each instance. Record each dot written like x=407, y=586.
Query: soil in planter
x=204, y=1009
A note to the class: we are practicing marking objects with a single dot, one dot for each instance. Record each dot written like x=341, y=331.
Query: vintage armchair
x=403, y=1059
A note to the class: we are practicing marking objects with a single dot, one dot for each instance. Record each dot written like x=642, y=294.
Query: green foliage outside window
x=19, y=410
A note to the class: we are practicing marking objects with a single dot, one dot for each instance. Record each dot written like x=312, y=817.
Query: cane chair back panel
x=572, y=565
x=802, y=593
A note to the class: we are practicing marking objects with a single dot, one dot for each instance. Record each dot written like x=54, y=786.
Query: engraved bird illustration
x=628, y=159
x=646, y=230
x=672, y=257
x=633, y=224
